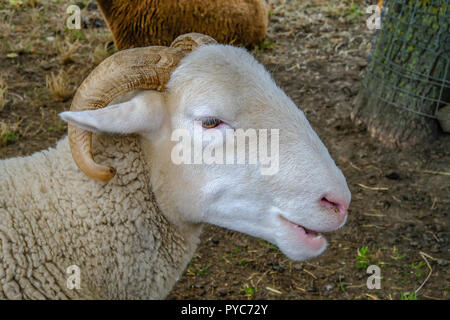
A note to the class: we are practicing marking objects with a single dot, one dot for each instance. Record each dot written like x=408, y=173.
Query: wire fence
x=409, y=64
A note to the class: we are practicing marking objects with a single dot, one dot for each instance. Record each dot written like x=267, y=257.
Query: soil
x=316, y=51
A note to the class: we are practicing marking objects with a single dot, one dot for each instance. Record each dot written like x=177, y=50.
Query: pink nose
x=338, y=206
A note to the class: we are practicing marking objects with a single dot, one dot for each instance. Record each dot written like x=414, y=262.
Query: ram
x=129, y=221
x=141, y=23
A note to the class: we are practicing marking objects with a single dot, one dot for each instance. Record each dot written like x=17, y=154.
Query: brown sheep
x=141, y=23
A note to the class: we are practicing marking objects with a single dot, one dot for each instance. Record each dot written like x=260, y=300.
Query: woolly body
x=141, y=23
x=52, y=216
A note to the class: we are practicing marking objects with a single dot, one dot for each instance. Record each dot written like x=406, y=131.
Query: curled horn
x=127, y=70
x=190, y=41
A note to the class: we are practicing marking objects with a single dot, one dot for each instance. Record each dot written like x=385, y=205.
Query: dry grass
x=59, y=85
x=23, y=3
x=34, y=42
x=67, y=51
x=3, y=94
x=8, y=132
x=6, y=23
x=101, y=52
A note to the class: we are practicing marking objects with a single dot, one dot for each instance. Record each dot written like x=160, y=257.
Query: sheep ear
x=142, y=114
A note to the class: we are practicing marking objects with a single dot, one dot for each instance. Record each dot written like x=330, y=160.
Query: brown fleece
x=141, y=23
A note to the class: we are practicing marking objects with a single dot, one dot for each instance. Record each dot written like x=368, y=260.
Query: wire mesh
x=409, y=64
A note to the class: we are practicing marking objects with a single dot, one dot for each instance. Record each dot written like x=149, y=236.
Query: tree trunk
x=407, y=78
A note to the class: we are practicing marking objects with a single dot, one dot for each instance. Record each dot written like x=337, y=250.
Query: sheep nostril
x=337, y=206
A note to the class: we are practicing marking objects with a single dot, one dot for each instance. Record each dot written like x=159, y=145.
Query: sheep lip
x=306, y=236
x=309, y=232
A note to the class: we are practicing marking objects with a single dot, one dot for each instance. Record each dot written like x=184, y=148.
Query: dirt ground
x=316, y=51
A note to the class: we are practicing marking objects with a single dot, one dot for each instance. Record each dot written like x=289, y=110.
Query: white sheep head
x=221, y=88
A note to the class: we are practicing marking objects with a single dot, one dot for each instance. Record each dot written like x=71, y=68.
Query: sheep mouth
x=306, y=236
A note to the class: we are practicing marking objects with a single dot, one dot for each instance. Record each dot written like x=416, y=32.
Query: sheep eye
x=209, y=123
